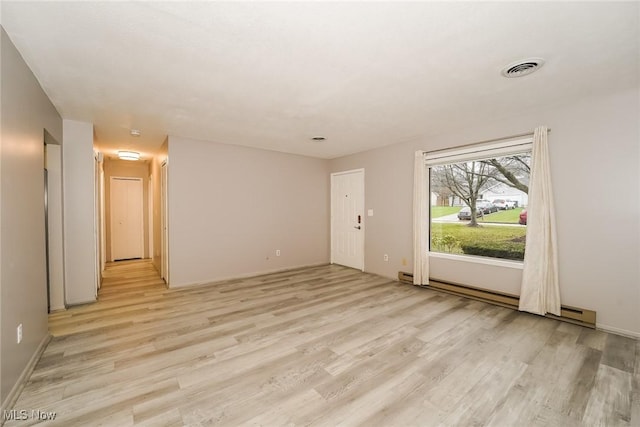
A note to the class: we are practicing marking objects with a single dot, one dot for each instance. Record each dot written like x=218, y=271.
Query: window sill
x=519, y=265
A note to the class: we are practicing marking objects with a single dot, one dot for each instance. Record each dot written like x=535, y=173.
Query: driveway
x=447, y=218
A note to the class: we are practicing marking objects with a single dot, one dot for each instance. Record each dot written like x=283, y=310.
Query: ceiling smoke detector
x=135, y=132
x=523, y=67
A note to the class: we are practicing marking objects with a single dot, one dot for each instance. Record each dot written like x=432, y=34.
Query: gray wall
x=231, y=207
x=595, y=166
x=26, y=113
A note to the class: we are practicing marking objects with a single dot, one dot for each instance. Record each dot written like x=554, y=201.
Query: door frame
x=164, y=220
x=347, y=172
x=46, y=233
x=98, y=220
x=150, y=228
x=111, y=216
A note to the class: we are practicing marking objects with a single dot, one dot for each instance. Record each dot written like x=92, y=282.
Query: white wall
x=80, y=241
x=56, y=248
x=595, y=163
x=231, y=207
x=26, y=113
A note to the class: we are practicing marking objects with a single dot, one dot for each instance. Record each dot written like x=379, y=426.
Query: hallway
x=127, y=287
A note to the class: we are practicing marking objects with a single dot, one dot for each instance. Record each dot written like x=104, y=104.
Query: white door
x=347, y=218
x=127, y=223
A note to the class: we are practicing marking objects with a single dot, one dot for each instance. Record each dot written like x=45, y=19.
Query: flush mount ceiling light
x=523, y=67
x=128, y=155
x=135, y=132
x=319, y=138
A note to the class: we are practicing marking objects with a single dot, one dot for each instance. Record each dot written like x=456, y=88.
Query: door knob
x=357, y=226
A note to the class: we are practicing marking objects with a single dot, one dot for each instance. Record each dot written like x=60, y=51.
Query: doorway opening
x=53, y=222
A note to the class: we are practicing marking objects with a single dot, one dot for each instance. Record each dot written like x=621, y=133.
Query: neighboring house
x=502, y=191
x=446, y=201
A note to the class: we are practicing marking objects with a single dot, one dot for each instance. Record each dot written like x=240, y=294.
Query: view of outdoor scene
x=479, y=207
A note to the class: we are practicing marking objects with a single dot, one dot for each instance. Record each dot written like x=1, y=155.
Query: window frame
x=496, y=262
x=474, y=152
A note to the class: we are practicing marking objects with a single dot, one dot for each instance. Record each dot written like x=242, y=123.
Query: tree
x=513, y=171
x=466, y=180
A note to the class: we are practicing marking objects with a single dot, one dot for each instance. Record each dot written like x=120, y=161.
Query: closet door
x=127, y=230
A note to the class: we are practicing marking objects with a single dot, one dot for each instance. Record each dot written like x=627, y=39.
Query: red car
x=523, y=217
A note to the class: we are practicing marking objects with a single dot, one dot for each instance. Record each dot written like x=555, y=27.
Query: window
x=479, y=198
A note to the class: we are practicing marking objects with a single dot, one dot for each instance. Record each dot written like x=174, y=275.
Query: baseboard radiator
x=578, y=316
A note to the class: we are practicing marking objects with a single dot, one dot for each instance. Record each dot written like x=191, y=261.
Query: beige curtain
x=540, y=292
x=421, y=203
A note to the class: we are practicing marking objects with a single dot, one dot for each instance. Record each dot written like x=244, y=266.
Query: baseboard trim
x=617, y=331
x=247, y=275
x=13, y=395
x=575, y=315
x=72, y=303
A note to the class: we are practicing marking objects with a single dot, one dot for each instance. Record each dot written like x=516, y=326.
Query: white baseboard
x=81, y=302
x=13, y=395
x=245, y=275
x=617, y=331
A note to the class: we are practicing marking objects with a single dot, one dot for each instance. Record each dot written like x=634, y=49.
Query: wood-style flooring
x=322, y=346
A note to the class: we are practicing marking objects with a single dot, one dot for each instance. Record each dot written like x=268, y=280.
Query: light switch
x=370, y=212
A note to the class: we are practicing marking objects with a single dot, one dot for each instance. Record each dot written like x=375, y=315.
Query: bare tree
x=465, y=180
x=513, y=171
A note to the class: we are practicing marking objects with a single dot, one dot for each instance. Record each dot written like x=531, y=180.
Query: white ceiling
x=272, y=75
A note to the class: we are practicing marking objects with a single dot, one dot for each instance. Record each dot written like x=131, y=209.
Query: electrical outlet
x=277, y=252
x=386, y=257
x=19, y=333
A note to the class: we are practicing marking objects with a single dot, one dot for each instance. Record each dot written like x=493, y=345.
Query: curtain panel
x=421, y=204
x=540, y=292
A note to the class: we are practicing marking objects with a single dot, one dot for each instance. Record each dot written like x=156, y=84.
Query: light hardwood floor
x=322, y=346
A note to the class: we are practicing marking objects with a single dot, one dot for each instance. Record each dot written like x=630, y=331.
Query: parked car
x=486, y=206
x=523, y=217
x=465, y=213
x=512, y=204
x=501, y=204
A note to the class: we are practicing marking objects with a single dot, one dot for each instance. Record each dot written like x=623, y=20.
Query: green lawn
x=510, y=216
x=438, y=211
x=489, y=240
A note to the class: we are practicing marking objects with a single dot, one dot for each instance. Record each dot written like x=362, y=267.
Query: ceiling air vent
x=522, y=68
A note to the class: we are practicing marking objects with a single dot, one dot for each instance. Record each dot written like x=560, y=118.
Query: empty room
x=320, y=213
